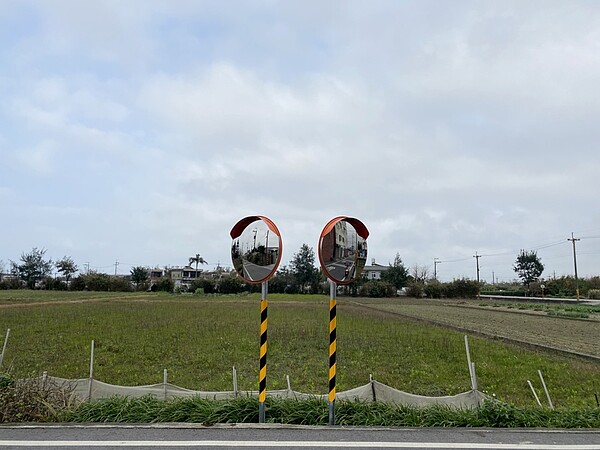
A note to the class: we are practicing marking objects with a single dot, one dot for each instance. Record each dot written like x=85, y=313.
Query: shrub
x=560, y=287
x=376, y=288
x=206, y=284
x=11, y=283
x=435, y=289
x=166, y=285
x=462, y=288
x=415, y=289
x=231, y=285
x=594, y=294
x=100, y=282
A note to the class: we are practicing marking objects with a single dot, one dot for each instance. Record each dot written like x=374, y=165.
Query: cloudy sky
x=142, y=131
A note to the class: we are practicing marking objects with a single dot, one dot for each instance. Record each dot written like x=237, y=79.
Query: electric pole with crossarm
x=573, y=240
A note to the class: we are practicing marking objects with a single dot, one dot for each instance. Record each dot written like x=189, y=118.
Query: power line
x=541, y=247
x=455, y=260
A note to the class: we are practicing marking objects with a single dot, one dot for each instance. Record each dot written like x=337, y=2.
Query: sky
x=140, y=132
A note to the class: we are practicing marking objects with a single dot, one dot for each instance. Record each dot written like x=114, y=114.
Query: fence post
x=537, y=399
x=91, y=370
x=372, y=381
x=4, y=347
x=545, y=389
x=235, y=384
x=165, y=383
x=471, y=369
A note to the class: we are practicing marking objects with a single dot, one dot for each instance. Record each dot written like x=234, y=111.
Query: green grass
x=26, y=296
x=198, y=339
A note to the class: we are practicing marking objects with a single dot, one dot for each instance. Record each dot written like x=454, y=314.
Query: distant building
x=183, y=277
x=374, y=271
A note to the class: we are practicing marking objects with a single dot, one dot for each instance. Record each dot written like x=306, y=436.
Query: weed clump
x=33, y=400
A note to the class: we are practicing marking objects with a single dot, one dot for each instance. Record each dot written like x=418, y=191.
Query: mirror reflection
x=343, y=253
x=255, y=253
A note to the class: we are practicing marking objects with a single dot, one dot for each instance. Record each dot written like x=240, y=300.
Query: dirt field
x=573, y=335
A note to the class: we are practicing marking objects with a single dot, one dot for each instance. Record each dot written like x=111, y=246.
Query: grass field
x=199, y=338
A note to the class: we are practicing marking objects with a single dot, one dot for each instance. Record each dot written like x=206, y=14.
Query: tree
x=283, y=282
x=528, y=267
x=396, y=274
x=139, y=275
x=34, y=267
x=67, y=267
x=198, y=260
x=419, y=273
x=1, y=269
x=302, y=267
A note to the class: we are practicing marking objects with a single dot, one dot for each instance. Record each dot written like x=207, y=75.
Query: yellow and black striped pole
x=262, y=374
x=332, y=349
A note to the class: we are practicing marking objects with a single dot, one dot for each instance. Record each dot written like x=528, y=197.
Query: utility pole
x=573, y=240
x=116, y=265
x=436, y=261
x=476, y=256
x=87, y=267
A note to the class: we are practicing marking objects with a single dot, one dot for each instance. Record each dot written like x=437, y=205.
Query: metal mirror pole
x=262, y=377
x=332, y=349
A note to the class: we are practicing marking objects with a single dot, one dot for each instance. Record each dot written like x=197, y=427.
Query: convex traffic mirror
x=343, y=249
x=255, y=249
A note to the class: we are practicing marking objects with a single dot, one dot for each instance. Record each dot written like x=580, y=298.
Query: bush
x=166, y=285
x=463, y=288
x=206, y=284
x=435, y=289
x=231, y=285
x=11, y=283
x=561, y=287
x=53, y=284
x=415, y=289
x=376, y=288
x=100, y=282
x=594, y=294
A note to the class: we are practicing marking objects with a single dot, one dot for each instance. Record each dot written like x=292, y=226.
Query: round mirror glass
x=343, y=249
x=255, y=249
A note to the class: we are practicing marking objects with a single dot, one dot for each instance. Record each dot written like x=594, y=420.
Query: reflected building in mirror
x=343, y=252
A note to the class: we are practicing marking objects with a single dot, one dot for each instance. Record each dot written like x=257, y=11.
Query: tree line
x=300, y=276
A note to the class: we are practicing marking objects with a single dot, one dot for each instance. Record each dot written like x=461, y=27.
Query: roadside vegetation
x=36, y=401
x=315, y=412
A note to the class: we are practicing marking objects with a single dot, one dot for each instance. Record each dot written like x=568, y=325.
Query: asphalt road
x=188, y=436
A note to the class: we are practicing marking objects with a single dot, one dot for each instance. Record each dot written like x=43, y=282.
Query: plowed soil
x=580, y=336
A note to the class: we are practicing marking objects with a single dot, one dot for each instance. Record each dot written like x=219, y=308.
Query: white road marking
x=304, y=444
